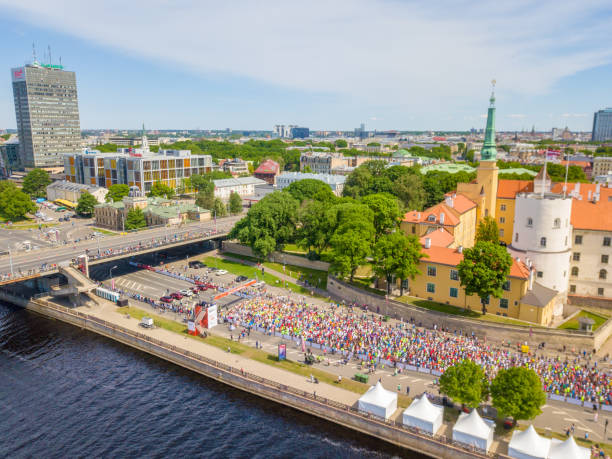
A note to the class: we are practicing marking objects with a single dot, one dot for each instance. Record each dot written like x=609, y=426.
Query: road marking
x=571, y=419
x=416, y=380
x=405, y=377
x=559, y=412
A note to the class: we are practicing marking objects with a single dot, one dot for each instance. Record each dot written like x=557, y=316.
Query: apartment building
x=335, y=182
x=602, y=165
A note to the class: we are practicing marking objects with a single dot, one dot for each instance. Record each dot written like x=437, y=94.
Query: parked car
x=241, y=278
x=196, y=264
x=186, y=292
x=220, y=272
x=166, y=299
x=146, y=322
x=176, y=295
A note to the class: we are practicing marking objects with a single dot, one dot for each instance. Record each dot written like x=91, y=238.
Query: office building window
x=431, y=271
x=454, y=274
x=604, y=259
x=575, y=271
x=431, y=288
x=503, y=303
x=600, y=291
x=576, y=256
x=606, y=241
x=578, y=239
x=454, y=292
x=572, y=289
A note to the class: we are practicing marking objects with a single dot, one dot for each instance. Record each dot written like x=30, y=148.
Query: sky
x=391, y=64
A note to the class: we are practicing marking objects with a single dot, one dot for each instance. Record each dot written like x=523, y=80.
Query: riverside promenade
x=326, y=401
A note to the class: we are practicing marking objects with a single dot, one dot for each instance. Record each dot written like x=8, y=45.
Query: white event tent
x=471, y=430
x=528, y=445
x=378, y=401
x=423, y=415
x=567, y=449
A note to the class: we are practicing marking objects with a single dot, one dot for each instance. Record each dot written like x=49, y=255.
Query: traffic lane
x=56, y=255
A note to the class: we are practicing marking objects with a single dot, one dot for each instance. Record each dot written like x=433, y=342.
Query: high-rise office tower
x=47, y=113
x=602, y=125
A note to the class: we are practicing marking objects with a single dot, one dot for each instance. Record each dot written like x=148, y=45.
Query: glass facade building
x=602, y=125
x=47, y=114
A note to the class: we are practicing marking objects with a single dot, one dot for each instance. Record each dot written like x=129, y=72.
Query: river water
x=66, y=392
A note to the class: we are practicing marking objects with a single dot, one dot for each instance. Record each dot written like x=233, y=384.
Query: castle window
x=575, y=271
x=578, y=239
x=542, y=242
x=603, y=274
x=557, y=223
x=530, y=222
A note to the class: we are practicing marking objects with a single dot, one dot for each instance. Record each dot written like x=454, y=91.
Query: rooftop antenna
x=545, y=171
x=33, y=53
x=566, y=173
x=60, y=60
x=49, y=50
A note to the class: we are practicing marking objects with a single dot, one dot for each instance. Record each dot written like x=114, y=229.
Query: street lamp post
x=11, y=260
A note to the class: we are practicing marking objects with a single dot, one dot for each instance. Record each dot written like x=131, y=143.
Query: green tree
x=35, y=183
x=311, y=189
x=487, y=230
x=235, y=203
x=407, y=256
x=517, y=392
x=206, y=196
x=466, y=383
x=161, y=190
x=219, y=208
x=386, y=212
x=117, y=192
x=410, y=191
x=341, y=143
x=317, y=222
x=85, y=206
x=351, y=245
x=269, y=224
x=469, y=156
x=135, y=219
x=14, y=203
x=484, y=271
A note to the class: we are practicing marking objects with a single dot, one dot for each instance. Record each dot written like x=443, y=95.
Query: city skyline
x=324, y=68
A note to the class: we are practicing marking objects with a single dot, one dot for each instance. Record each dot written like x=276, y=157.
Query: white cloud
x=394, y=53
x=517, y=115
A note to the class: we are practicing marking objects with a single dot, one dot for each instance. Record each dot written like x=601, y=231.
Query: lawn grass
x=456, y=311
x=316, y=277
x=293, y=249
x=105, y=231
x=256, y=354
x=573, y=323
x=29, y=226
x=239, y=269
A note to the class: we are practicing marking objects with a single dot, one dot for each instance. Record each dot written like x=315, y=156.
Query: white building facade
x=244, y=186
x=335, y=182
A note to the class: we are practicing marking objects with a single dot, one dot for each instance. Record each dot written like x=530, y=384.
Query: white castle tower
x=542, y=233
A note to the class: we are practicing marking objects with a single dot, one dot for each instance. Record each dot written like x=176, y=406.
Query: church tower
x=487, y=170
x=484, y=190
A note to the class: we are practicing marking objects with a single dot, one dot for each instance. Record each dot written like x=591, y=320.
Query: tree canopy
x=35, y=183
x=14, y=203
x=161, y=190
x=135, y=219
x=117, y=192
x=85, y=206
x=235, y=203
x=487, y=230
x=517, y=392
x=484, y=270
x=395, y=254
x=269, y=224
x=219, y=208
x=311, y=189
x=466, y=383
x=317, y=223
x=386, y=212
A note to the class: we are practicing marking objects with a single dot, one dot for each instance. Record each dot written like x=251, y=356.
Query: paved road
x=63, y=253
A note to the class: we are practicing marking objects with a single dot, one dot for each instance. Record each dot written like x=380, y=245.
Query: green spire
x=489, y=152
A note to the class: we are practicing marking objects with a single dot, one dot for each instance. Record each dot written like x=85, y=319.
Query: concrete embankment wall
x=277, y=257
x=429, y=318
x=323, y=408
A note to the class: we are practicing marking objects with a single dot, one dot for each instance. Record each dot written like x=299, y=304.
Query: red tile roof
x=508, y=189
x=451, y=257
x=432, y=215
x=461, y=203
x=438, y=237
